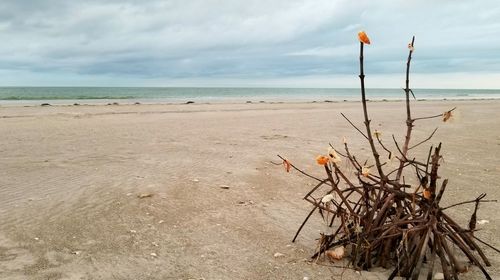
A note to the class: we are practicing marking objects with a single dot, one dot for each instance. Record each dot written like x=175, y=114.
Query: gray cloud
x=254, y=39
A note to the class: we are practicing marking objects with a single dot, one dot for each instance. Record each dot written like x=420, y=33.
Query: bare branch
x=301, y=171
x=354, y=125
x=435, y=116
x=409, y=121
x=381, y=144
x=427, y=139
x=468, y=202
x=376, y=156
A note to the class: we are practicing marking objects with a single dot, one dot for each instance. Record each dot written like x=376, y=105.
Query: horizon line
x=243, y=87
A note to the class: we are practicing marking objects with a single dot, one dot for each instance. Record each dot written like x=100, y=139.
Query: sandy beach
x=216, y=207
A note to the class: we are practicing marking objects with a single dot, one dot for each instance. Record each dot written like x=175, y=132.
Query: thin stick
x=347, y=119
x=435, y=116
x=490, y=246
x=365, y=113
x=467, y=202
x=383, y=147
x=423, y=141
x=303, y=172
x=304, y=222
x=409, y=121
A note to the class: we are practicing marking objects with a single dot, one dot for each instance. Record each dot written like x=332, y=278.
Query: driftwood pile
x=374, y=218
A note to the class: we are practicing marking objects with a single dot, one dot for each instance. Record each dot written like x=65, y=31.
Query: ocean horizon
x=63, y=95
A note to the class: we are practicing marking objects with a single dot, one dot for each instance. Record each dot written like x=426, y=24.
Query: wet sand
x=71, y=175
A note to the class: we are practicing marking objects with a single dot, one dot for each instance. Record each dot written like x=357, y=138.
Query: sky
x=248, y=43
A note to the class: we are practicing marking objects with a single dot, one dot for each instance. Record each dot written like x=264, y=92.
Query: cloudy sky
x=271, y=43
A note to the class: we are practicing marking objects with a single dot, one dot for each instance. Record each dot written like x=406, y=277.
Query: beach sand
x=71, y=175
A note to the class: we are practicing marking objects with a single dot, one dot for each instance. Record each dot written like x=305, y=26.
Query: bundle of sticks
x=377, y=219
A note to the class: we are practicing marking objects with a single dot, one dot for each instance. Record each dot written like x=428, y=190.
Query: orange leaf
x=322, y=160
x=427, y=194
x=447, y=115
x=287, y=165
x=363, y=37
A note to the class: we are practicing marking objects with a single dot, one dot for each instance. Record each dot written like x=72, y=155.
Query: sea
x=96, y=95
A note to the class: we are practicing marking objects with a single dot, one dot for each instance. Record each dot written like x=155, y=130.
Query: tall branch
x=376, y=155
x=409, y=121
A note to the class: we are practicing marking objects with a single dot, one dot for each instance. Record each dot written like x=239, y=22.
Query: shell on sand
x=336, y=254
x=144, y=195
x=327, y=198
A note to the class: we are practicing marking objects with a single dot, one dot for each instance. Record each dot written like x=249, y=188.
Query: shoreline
x=116, y=102
x=171, y=95
x=87, y=110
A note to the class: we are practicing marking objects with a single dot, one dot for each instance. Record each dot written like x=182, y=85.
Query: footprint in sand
x=14, y=259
